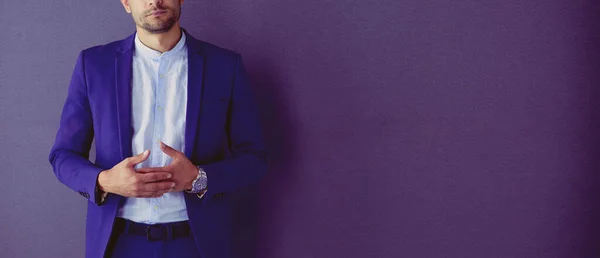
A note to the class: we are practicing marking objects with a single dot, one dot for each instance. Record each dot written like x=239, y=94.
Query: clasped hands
x=123, y=179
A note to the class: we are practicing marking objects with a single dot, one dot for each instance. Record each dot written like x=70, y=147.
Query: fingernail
x=169, y=176
x=172, y=184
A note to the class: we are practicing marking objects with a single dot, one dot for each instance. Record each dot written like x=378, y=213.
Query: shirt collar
x=145, y=51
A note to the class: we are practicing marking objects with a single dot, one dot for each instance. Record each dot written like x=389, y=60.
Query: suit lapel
x=123, y=76
x=194, y=97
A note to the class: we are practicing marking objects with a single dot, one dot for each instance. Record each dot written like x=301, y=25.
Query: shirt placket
x=159, y=124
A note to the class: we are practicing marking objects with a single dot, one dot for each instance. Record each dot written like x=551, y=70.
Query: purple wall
x=396, y=128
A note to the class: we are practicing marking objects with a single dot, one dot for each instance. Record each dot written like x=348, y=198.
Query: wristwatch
x=199, y=184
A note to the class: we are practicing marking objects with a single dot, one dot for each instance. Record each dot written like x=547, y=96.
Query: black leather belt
x=153, y=232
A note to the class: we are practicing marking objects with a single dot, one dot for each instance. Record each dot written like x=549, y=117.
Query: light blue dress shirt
x=159, y=99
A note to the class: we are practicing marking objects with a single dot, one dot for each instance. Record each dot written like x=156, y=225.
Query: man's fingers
x=168, y=150
x=139, y=158
x=153, y=190
x=163, y=186
x=153, y=170
x=155, y=176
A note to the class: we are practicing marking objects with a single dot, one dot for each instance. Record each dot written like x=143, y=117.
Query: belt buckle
x=149, y=233
x=159, y=228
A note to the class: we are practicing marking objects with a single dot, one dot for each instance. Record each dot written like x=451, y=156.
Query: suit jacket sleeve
x=69, y=155
x=247, y=162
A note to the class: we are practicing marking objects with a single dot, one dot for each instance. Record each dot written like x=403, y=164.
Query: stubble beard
x=160, y=26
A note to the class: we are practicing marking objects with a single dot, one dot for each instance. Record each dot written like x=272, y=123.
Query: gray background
x=404, y=128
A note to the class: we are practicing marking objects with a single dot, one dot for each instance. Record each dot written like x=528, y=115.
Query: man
x=185, y=108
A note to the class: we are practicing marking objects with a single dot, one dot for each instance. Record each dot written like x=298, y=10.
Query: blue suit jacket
x=222, y=135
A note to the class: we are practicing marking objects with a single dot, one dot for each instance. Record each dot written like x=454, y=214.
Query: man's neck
x=162, y=42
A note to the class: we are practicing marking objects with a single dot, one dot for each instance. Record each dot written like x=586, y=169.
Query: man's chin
x=157, y=28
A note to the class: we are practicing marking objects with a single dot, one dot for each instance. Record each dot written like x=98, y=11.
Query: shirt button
x=161, y=76
x=155, y=207
x=160, y=108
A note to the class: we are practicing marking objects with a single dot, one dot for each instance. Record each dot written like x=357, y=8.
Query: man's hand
x=123, y=180
x=183, y=170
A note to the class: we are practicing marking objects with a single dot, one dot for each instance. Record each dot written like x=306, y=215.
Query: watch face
x=200, y=182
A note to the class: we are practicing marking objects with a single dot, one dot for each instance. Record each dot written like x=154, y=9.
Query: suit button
x=86, y=195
